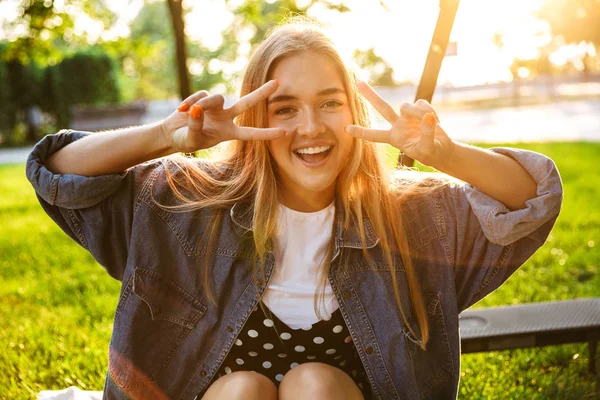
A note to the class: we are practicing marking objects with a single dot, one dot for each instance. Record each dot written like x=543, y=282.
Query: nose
x=311, y=124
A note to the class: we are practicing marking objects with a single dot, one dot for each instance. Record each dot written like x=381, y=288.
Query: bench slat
x=532, y=325
x=530, y=318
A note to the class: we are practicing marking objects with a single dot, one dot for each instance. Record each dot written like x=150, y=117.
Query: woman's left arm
x=495, y=174
x=416, y=132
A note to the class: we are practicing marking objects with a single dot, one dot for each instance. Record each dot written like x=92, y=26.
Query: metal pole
x=433, y=63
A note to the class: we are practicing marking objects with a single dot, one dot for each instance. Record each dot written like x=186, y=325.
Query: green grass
x=57, y=304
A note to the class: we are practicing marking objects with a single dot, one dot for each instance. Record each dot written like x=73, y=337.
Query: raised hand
x=415, y=131
x=201, y=122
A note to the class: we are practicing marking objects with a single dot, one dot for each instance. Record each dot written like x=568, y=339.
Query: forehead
x=306, y=72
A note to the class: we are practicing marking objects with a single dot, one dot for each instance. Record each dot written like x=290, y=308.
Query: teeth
x=313, y=150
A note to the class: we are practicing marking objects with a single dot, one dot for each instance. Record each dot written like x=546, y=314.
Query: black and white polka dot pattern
x=270, y=347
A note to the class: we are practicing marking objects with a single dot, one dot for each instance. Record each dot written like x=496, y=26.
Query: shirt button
x=203, y=373
x=347, y=294
x=369, y=350
x=230, y=329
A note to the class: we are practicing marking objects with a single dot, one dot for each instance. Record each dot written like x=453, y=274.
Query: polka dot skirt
x=268, y=346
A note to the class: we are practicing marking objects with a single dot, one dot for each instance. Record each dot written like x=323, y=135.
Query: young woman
x=291, y=264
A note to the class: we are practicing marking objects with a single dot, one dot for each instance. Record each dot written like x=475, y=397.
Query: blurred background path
x=552, y=122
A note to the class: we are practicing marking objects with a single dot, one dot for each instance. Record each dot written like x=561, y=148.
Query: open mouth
x=314, y=155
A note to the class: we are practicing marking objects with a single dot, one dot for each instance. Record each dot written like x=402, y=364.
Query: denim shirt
x=169, y=340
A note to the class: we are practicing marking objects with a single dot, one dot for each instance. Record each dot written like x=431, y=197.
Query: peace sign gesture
x=416, y=131
x=201, y=122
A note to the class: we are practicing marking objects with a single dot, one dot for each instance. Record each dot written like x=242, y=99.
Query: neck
x=306, y=200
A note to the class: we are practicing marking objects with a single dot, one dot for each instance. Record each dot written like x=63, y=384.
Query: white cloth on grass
x=71, y=393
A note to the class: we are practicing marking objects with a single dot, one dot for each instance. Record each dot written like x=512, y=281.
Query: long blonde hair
x=363, y=188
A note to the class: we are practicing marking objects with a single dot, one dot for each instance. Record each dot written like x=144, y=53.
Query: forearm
x=497, y=175
x=111, y=152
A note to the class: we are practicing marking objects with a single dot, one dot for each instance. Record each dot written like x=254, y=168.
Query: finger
x=426, y=144
x=411, y=110
x=196, y=118
x=190, y=100
x=373, y=135
x=252, y=98
x=380, y=104
x=425, y=106
x=212, y=102
x=248, y=133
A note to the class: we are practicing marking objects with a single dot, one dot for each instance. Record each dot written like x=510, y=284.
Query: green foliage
x=53, y=99
x=147, y=57
x=257, y=15
x=57, y=304
x=88, y=78
x=49, y=25
x=7, y=109
x=381, y=72
x=24, y=80
x=46, y=28
x=20, y=92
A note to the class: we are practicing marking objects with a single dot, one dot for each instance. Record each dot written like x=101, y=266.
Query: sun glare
x=489, y=34
x=402, y=34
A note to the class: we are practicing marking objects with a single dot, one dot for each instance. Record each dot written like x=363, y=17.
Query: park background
x=518, y=73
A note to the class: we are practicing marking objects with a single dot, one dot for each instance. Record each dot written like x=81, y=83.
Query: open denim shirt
x=169, y=340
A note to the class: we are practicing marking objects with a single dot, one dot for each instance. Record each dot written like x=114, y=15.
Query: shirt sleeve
x=96, y=212
x=487, y=242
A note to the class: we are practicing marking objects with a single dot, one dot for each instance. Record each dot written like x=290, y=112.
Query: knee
x=242, y=385
x=317, y=380
x=311, y=373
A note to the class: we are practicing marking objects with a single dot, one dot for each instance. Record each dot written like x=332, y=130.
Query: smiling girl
x=291, y=264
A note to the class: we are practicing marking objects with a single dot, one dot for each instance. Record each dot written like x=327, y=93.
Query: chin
x=313, y=186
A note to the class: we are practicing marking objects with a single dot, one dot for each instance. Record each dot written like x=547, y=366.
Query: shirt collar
x=242, y=215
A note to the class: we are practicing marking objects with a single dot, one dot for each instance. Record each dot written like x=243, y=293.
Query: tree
x=575, y=20
x=177, y=14
x=48, y=27
x=258, y=14
x=381, y=72
x=148, y=68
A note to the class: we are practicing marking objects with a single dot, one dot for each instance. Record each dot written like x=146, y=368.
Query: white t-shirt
x=300, y=243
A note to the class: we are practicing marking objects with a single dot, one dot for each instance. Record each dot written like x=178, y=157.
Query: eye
x=284, y=110
x=332, y=104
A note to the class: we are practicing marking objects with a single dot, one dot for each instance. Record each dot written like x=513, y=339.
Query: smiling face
x=312, y=105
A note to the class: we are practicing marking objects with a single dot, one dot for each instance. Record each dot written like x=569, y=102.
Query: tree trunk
x=176, y=10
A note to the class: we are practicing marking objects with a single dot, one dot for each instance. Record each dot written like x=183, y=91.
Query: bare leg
x=318, y=381
x=247, y=385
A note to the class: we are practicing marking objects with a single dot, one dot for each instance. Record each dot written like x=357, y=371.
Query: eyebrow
x=287, y=97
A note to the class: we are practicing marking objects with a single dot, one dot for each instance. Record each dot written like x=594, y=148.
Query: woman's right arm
x=206, y=125
x=112, y=152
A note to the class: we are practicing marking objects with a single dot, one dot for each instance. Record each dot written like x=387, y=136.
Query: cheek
x=345, y=143
x=279, y=149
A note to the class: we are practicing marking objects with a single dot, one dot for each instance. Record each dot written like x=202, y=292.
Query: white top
x=300, y=243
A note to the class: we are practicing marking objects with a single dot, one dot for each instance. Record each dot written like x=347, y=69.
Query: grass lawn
x=57, y=304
